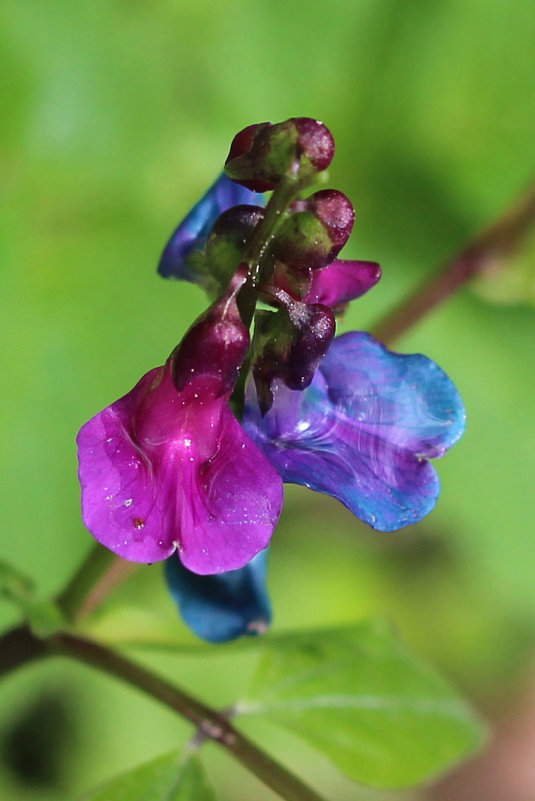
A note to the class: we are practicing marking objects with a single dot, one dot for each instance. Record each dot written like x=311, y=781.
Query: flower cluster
x=189, y=466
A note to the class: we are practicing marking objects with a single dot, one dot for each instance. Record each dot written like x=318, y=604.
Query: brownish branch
x=498, y=241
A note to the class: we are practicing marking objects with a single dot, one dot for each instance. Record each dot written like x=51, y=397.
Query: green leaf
x=44, y=617
x=357, y=696
x=15, y=585
x=168, y=778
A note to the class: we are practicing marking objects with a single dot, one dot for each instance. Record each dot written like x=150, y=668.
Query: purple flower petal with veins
x=363, y=430
x=163, y=470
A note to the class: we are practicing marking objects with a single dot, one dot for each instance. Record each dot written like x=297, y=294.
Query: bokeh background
x=115, y=116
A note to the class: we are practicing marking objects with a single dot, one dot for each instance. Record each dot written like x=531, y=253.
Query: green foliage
x=173, y=777
x=114, y=119
x=368, y=705
x=43, y=616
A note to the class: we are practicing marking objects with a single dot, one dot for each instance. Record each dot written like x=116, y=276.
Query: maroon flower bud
x=216, y=344
x=315, y=233
x=314, y=327
x=246, y=148
x=316, y=142
x=262, y=154
x=289, y=345
x=228, y=240
x=302, y=242
x=337, y=214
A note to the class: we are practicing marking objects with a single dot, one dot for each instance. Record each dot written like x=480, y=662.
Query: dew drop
x=128, y=502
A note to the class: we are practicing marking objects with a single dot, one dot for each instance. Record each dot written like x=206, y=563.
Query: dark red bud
x=262, y=154
x=336, y=212
x=316, y=142
x=290, y=344
x=216, y=344
x=242, y=149
x=316, y=330
x=303, y=243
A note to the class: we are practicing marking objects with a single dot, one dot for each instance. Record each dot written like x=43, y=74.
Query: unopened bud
x=290, y=344
x=228, y=240
x=262, y=154
x=337, y=214
x=216, y=344
x=315, y=233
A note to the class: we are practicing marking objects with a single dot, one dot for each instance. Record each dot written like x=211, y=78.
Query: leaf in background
x=15, y=585
x=356, y=695
x=43, y=616
x=166, y=778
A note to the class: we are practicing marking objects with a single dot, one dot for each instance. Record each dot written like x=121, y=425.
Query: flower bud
x=290, y=344
x=228, y=240
x=315, y=233
x=216, y=344
x=302, y=243
x=337, y=214
x=262, y=154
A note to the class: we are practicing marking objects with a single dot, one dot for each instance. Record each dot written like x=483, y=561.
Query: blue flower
x=222, y=607
x=192, y=233
x=364, y=430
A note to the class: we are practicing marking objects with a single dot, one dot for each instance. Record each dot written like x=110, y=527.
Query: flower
x=222, y=607
x=170, y=471
x=168, y=467
x=364, y=430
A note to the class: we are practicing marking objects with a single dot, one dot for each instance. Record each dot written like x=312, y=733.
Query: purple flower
x=364, y=430
x=169, y=471
x=169, y=468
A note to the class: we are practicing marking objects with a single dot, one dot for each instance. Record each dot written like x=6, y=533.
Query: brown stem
x=20, y=646
x=498, y=241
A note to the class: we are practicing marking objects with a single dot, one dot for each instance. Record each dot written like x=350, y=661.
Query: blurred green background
x=115, y=116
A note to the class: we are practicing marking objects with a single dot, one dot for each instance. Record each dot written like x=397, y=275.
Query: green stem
x=256, y=257
x=20, y=646
x=95, y=565
x=258, y=247
x=499, y=240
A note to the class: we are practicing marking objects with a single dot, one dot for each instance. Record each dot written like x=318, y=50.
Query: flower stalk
x=20, y=646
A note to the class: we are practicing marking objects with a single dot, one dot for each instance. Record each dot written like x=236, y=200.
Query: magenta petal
x=342, y=281
x=162, y=470
x=119, y=498
x=235, y=502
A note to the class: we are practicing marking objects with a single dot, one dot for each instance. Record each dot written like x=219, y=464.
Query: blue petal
x=192, y=233
x=363, y=429
x=225, y=606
